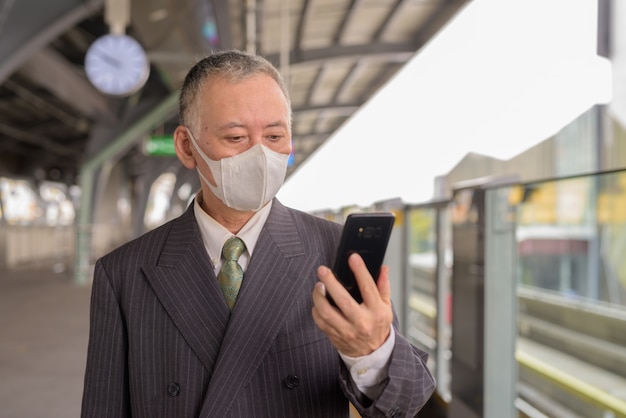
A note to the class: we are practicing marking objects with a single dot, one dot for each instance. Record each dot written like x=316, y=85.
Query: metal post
x=83, y=229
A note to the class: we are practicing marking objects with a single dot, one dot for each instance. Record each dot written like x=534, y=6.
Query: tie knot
x=233, y=248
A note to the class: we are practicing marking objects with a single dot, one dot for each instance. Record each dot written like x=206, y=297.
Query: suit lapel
x=185, y=284
x=266, y=295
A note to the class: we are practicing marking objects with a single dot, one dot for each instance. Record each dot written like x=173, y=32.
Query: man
x=172, y=336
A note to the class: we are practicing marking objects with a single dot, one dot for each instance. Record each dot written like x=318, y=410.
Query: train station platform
x=44, y=326
x=44, y=323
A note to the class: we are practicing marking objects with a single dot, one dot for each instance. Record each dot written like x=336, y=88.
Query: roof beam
x=355, y=72
x=345, y=109
x=18, y=49
x=387, y=20
x=378, y=82
x=370, y=52
x=39, y=140
x=305, y=12
x=377, y=52
x=347, y=17
x=51, y=70
x=317, y=81
x=74, y=121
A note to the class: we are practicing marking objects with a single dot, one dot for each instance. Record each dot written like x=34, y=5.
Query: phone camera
x=369, y=232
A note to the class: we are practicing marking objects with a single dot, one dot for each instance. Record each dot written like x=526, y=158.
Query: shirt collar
x=214, y=235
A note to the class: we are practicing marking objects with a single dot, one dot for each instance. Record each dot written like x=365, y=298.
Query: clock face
x=117, y=65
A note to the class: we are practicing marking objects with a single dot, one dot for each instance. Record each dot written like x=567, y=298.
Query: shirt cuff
x=368, y=372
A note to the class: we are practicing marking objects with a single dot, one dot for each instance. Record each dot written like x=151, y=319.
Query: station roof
x=335, y=54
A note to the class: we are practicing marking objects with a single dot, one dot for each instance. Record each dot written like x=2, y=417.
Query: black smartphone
x=367, y=234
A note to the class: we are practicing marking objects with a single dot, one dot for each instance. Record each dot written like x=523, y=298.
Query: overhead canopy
x=334, y=54
x=497, y=80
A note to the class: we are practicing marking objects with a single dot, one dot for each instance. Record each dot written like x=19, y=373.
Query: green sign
x=160, y=146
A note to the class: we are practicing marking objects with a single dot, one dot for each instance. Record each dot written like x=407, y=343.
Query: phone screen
x=368, y=235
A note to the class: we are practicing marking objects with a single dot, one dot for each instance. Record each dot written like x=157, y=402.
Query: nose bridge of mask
x=248, y=180
x=278, y=160
x=276, y=156
x=264, y=171
x=250, y=166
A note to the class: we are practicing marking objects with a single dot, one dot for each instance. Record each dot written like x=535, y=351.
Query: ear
x=183, y=147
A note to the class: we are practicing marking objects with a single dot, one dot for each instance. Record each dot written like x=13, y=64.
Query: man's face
x=233, y=117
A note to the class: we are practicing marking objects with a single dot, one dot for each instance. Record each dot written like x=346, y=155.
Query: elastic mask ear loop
x=193, y=141
x=206, y=159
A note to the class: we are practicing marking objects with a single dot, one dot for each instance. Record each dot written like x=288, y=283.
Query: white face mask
x=246, y=181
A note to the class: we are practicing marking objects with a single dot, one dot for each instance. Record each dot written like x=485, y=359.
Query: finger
x=319, y=292
x=326, y=316
x=367, y=286
x=384, y=285
x=335, y=289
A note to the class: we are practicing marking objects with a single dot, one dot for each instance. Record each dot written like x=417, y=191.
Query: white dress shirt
x=368, y=372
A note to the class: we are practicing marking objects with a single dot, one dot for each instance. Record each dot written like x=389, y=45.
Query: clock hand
x=110, y=60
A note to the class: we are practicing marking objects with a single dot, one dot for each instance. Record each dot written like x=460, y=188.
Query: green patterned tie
x=231, y=274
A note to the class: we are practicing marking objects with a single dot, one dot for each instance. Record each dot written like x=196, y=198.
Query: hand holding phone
x=368, y=235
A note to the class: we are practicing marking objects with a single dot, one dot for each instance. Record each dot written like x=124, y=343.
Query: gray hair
x=235, y=66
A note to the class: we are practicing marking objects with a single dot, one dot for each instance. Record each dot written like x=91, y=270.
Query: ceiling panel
x=335, y=54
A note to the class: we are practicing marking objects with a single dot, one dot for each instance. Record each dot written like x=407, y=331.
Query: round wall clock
x=117, y=65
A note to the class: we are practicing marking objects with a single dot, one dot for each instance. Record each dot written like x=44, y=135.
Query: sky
x=502, y=76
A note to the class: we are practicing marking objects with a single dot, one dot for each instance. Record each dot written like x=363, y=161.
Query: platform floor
x=44, y=326
x=43, y=344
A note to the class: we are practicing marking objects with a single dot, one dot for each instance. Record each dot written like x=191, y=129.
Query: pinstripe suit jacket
x=164, y=344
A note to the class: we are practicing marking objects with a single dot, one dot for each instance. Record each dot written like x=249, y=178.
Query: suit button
x=291, y=381
x=173, y=389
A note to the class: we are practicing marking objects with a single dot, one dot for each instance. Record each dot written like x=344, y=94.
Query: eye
x=236, y=138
